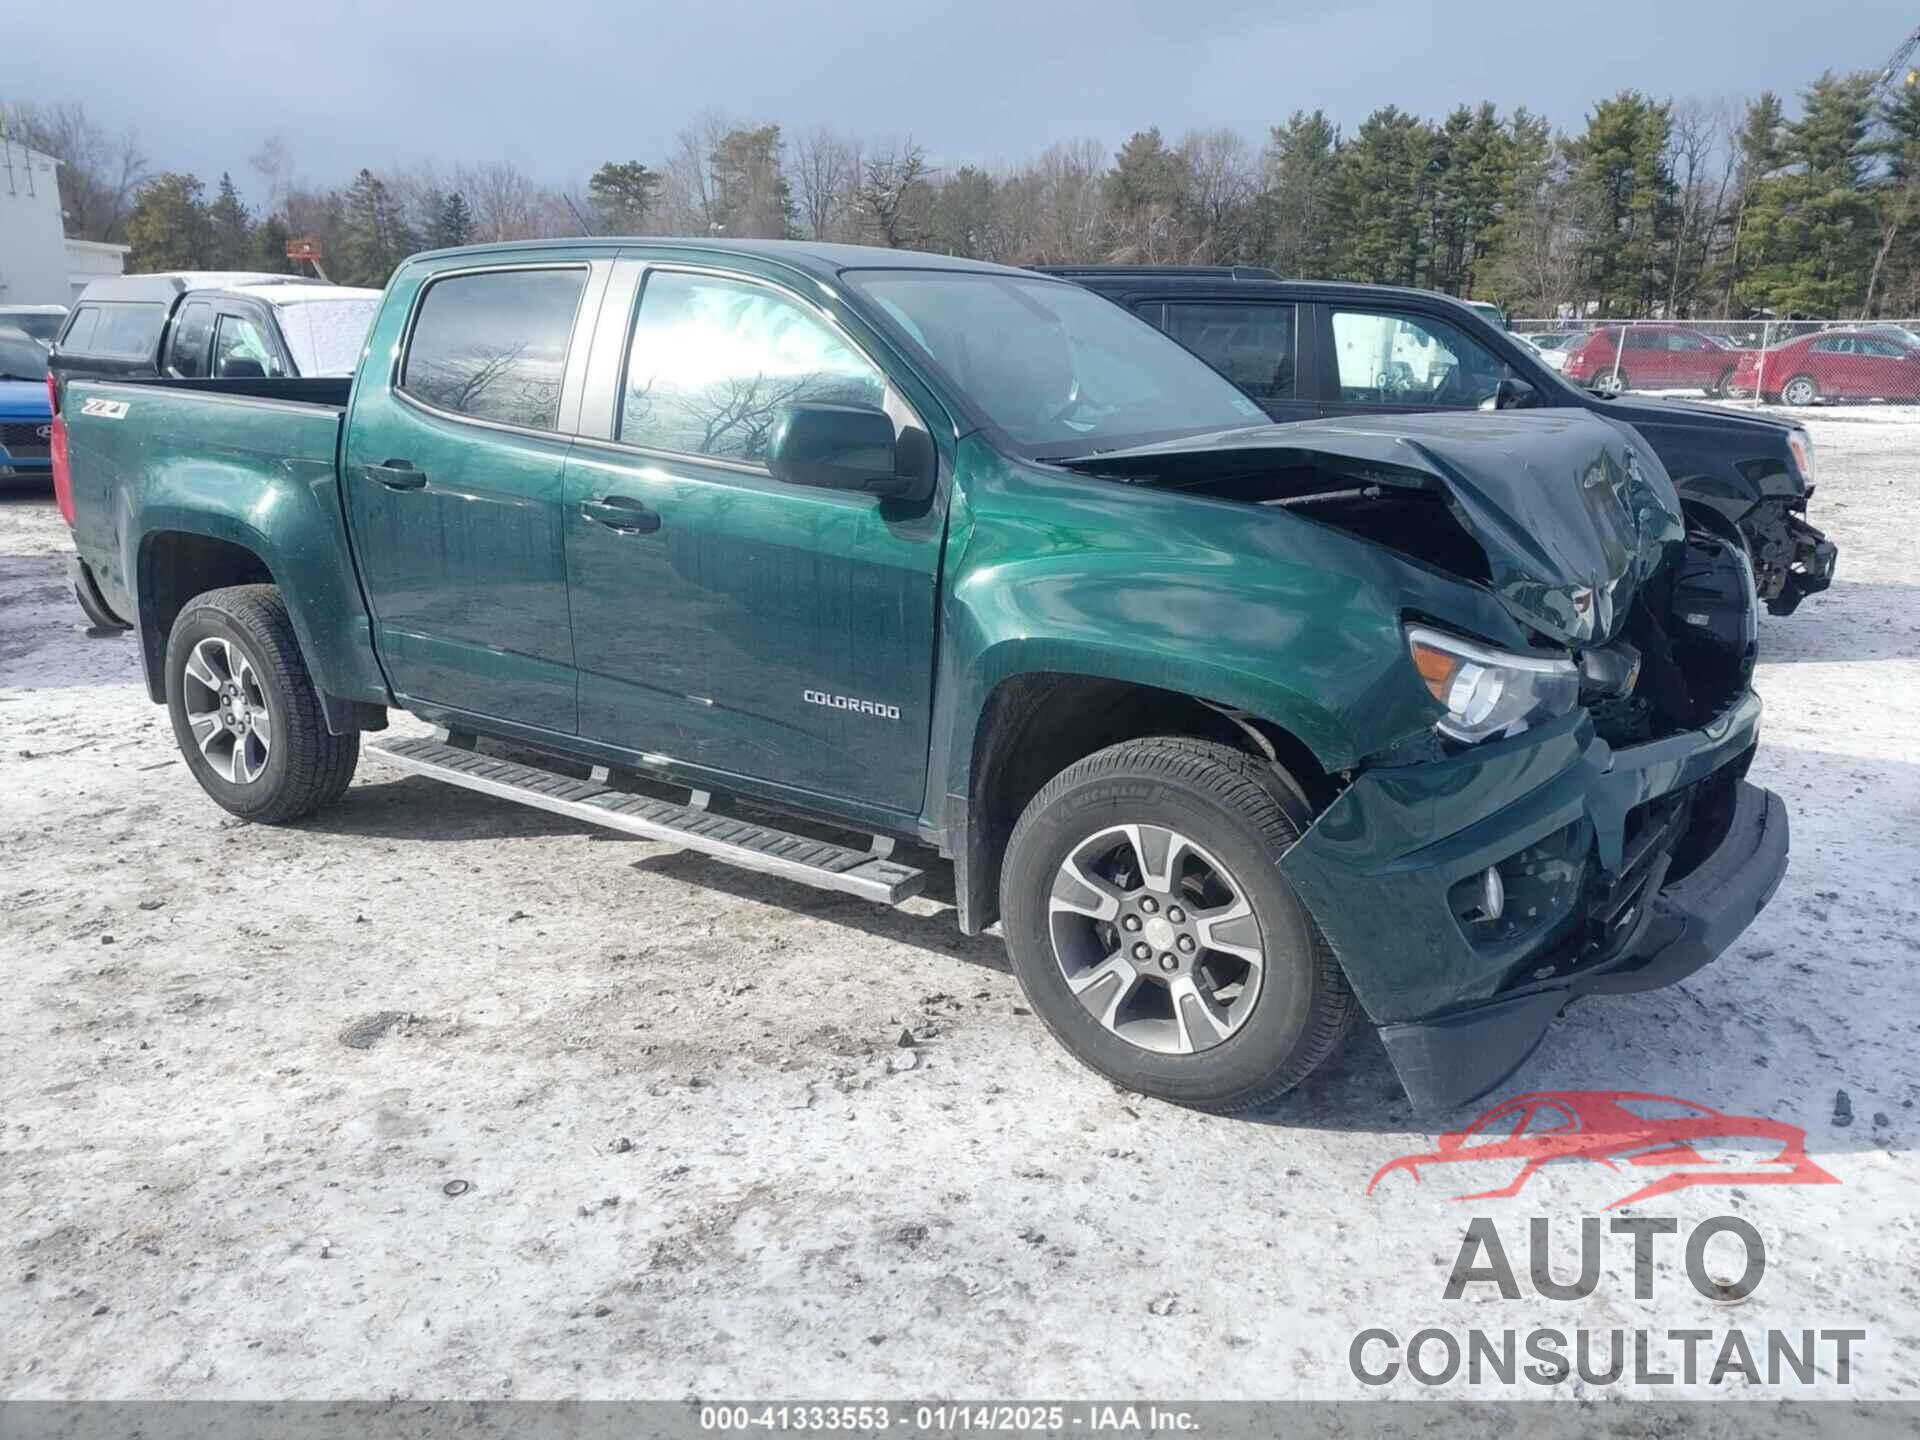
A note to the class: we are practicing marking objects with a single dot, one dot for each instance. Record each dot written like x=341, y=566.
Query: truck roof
x=815, y=257
x=1242, y=278
x=165, y=286
x=285, y=295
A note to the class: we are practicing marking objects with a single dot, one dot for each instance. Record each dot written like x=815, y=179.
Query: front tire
x=244, y=710
x=1151, y=929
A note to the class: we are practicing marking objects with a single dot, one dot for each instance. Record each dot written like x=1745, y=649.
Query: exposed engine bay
x=1577, y=533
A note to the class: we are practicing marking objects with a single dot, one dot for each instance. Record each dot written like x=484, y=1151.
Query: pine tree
x=1297, y=238
x=1381, y=199
x=1756, y=155
x=1624, y=194
x=231, y=227
x=451, y=223
x=1812, y=225
x=623, y=195
x=1467, y=176
x=376, y=237
x=750, y=194
x=269, y=250
x=1146, y=200
x=170, y=228
x=1532, y=262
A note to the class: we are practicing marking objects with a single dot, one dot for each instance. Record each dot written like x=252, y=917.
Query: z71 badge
x=105, y=409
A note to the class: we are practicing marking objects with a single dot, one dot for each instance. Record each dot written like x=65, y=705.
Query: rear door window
x=1252, y=345
x=493, y=345
x=187, y=352
x=1411, y=360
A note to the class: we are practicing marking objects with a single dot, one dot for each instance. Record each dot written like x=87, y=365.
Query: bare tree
x=508, y=204
x=99, y=173
x=1223, y=178
x=893, y=194
x=1697, y=133
x=686, y=197
x=1069, y=203
x=826, y=170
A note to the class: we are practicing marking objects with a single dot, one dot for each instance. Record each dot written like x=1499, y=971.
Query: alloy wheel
x=227, y=710
x=1156, y=939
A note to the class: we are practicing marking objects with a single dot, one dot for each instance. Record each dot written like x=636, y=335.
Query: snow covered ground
x=697, y=1162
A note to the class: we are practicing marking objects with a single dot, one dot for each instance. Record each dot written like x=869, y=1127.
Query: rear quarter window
x=127, y=330
x=79, y=336
x=493, y=345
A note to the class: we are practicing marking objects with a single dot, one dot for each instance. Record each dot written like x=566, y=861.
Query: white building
x=38, y=264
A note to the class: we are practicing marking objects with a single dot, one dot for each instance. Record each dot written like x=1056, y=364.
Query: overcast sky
x=559, y=86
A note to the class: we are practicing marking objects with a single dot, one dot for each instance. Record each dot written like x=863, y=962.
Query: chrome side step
x=867, y=873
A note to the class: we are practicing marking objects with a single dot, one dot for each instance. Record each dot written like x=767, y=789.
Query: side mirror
x=838, y=447
x=1510, y=394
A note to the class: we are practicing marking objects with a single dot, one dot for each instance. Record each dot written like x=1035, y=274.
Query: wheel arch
x=181, y=557
x=171, y=567
x=1034, y=724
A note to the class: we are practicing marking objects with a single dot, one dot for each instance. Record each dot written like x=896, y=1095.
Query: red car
x=1615, y=1128
x=1651, y=357
x=1832, y=365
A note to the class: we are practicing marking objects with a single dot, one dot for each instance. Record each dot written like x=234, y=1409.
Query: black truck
x=215, y=325
x=1305, y=349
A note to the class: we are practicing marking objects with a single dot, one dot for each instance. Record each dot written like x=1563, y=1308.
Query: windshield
x=325, y=335
x=1059, y=370
x=20, y=357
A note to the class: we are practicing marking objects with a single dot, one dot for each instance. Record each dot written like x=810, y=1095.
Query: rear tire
x=1800, y=390
x=1612, y=382
x=247, y=636
x=1182, y=1018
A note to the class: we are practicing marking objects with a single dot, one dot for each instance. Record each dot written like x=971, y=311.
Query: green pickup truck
x=837, y=562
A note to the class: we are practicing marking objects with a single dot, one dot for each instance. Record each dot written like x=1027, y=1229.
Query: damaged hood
x=1573, y=512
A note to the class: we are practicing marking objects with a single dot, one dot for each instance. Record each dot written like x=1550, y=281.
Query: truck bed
x=327, y=391
x=234, y=461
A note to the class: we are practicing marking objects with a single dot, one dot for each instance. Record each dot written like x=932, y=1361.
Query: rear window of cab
x=129, y=329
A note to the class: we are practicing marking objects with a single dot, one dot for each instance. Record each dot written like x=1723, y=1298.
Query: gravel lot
x=240, y=1066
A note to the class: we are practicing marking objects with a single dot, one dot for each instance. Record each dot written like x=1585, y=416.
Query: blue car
x=26, y=415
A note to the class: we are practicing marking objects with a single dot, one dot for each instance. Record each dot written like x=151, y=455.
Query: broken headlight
x=1801, y=444
x=1487, y=692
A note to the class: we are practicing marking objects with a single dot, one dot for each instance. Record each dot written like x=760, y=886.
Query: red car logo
x=1622, y=1127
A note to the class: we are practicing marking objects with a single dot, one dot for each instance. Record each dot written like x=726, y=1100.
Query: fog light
x=1493, y=895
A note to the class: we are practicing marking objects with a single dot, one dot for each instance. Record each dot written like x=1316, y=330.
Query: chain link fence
x=1773, y=362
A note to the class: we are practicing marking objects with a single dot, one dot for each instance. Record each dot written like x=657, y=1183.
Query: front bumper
x=1625, y=870
x=1806, y=559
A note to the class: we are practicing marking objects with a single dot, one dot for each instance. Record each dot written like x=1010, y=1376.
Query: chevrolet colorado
x=1306, y=348
x=1241, y=731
